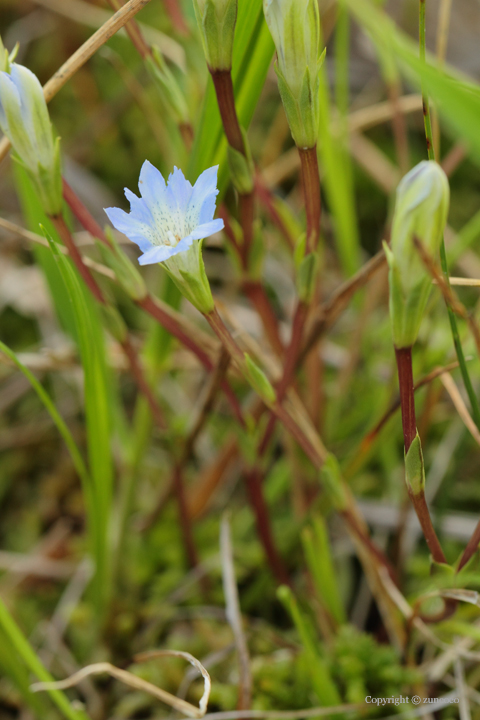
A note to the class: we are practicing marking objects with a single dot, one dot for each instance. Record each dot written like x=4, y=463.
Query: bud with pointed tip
x=216, y=20
x=421, y=210
x=25, y=121
x=295, y=28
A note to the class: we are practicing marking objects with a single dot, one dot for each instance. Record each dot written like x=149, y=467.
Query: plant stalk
x=409, y=424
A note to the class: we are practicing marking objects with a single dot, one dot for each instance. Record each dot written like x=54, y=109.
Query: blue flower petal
x=201, y=207
x=176, y=199
x=139, y=209
x=139, y=233
x=164, y=252
x=151, y=184
x=205, y=230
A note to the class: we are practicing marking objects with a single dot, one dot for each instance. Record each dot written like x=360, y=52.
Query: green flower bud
x=295, y=28
x=216, y=20
x=421, y=210
x=25, y=121
x=414, y=467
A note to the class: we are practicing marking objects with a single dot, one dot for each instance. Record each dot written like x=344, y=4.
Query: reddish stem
x=265, y=196
x=187, y=535
x=134, y=33
x=176, y=16
x=222, y=81
x=67, y=239
x=311, y=190
x=82, y=214
x=471, y=548
x=407, y=399
x=253, y=482
x=407, y=402
x=257, y=295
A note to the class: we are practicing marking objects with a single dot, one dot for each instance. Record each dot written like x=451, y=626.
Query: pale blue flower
x=169, y=222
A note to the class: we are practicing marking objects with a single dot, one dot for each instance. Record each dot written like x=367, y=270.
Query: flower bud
x=216, y=20
x=295, y=28
x=421, y=210
x=25, y=121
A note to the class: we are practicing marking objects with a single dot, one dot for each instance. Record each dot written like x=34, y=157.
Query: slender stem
x=253, y=480
x=83, y=215
x=471, y=548
x=311, y=191
x=186, y=526
x=443, y=255
x=423, y=514
x=407, y=402
x=134, y=33
x=150, y=306
x=256, y=293
x=222, y=81
x=65, y=235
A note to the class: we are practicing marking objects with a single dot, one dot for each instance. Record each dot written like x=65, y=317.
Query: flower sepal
x=301, y=110
x=216, y=20
x=187, y=271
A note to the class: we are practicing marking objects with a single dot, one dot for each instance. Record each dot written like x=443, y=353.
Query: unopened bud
x=421, y=210
x=216, y=20
x=25, y=121
x=295, y=28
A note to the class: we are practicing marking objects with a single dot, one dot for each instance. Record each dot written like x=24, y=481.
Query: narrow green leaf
x=322, y=682
x=97, y=415
x=320, y=563
x=26, y=653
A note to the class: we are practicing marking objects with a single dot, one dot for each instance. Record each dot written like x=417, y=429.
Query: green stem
x=443, y=255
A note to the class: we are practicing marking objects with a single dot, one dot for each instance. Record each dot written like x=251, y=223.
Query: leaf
x=97, y=415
